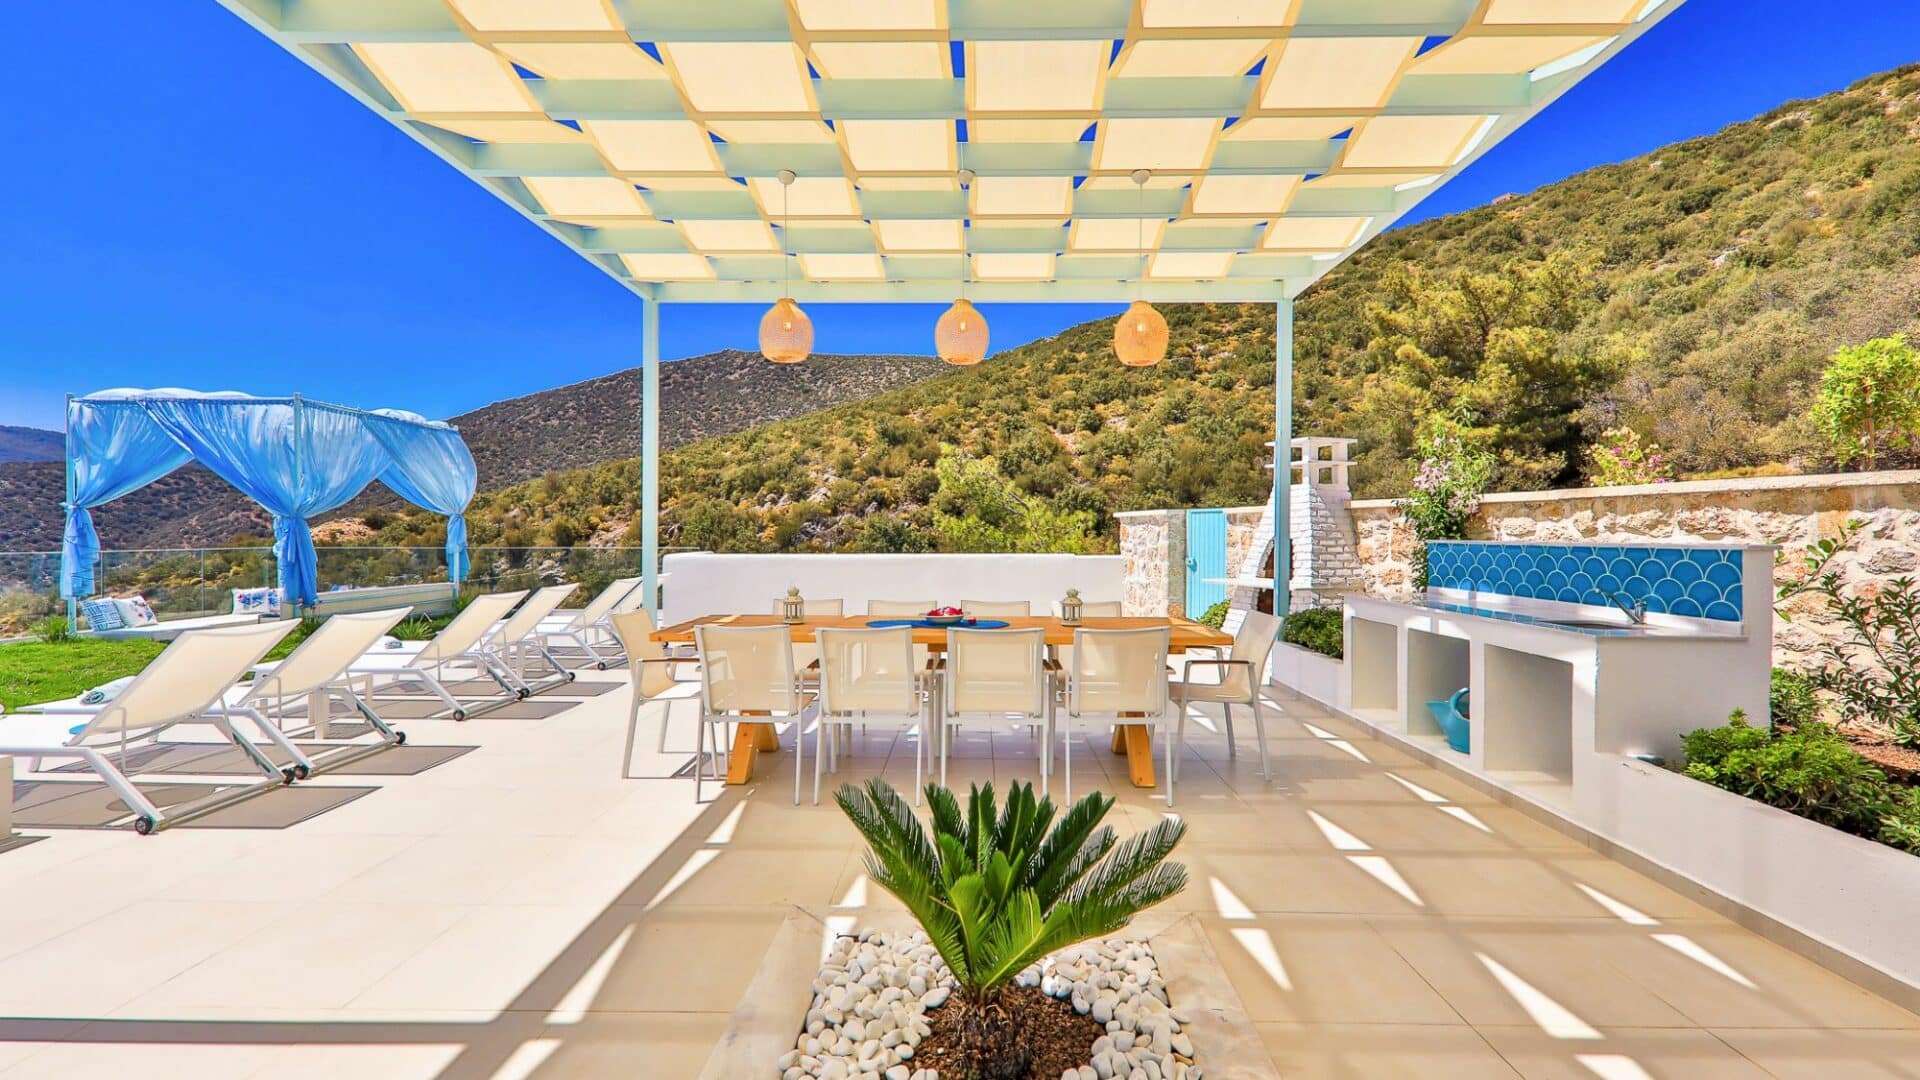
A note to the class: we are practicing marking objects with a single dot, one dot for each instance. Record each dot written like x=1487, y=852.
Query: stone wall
x=1791, y=511
x=1154, y=545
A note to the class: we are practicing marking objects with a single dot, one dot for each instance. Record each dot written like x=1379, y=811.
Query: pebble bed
x=872, y=996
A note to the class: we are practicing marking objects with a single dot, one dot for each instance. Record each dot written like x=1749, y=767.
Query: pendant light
x=960, y=337
x=1140, y=335
x=786, y=334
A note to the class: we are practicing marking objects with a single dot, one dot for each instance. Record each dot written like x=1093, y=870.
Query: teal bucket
x=1451, y=715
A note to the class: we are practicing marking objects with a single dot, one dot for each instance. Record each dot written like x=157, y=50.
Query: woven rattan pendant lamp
x=1140, y=335
x=960, y=337
x=786, y=334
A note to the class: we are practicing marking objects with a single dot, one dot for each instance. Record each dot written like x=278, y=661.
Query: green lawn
x=35, y=671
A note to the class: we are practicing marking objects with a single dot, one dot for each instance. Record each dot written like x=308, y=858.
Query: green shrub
x=1791, y=698
x=1319, y=629
x=53, y=630
x=1216, y=616
x=1811, y=772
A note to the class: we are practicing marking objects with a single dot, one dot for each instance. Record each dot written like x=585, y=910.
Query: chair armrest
x=1187, y=672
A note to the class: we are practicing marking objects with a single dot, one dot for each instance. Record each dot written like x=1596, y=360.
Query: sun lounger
x=512, y=644
x=589, y=629
x=431, y=665
x=189, y=683
x=318, y=672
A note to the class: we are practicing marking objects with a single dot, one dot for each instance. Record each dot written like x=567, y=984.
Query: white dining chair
x=994, y=676
x=1118, y=679
x=900, y=608
x=747, y=677
x=806, y=653
x=997, y=609
x=650, y=670
x=1241, y=672
x=1089, y=609
x=869, y=677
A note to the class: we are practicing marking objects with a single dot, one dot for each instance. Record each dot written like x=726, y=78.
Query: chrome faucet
x=1635, y=611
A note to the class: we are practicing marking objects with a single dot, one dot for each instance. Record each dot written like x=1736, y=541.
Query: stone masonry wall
x=1154, y=544
x=1791, y=511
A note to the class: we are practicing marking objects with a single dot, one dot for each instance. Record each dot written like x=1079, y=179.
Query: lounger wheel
x=144, y=825
x=287, y=775
x=572, y=675
x=523, y=694
x=459, y=714
x=301, y=772
x=399, y=738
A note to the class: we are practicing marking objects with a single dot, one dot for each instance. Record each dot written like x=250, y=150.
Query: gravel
x=872, y=996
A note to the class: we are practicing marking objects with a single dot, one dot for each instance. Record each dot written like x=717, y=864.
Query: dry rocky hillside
x=28, y=444
x=568, y=427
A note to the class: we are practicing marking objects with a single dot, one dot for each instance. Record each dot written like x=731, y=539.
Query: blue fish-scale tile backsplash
x=1702, y=582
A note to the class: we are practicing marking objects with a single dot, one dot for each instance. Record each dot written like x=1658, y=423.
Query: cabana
x=786, y=152
x=295, y=457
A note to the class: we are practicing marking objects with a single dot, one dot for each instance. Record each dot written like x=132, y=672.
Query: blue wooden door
x=1206, y=558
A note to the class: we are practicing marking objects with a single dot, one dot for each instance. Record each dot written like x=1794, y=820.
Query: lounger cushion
x=102, y=614
x=265, y=602
x=134, y=611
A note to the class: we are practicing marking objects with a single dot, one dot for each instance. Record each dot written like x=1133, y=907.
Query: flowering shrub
x=1446, y=493
x=1621, y=458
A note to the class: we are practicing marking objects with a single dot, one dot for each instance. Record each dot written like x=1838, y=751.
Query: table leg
x=1139, y=743
x=748, y=741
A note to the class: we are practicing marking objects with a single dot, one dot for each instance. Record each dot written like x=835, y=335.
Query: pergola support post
x=1282, y=455
x=650, y=453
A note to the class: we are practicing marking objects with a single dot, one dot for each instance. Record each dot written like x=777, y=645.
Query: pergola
x=940, y=148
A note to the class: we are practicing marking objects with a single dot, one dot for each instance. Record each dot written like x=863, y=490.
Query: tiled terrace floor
x=522, y=912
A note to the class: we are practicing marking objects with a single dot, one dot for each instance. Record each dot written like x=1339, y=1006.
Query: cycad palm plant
x=997, y=889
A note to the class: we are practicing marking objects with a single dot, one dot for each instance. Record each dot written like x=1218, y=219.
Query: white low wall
x=1850, y=894
x=703, y=583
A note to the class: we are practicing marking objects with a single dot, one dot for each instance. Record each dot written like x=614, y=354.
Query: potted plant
x=997, y=888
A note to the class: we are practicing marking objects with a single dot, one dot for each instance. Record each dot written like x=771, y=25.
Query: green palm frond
x=1132, y=859
x=999, y=887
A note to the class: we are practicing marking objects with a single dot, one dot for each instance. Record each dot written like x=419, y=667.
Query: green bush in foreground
x=997, y=888
x=1811, y=772
x=1319, y=629
x=53, y=630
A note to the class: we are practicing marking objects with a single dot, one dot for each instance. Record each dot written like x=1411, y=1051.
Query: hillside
x=599, y=420
x=1692, y=294
x=30, y=444
x=564, y=428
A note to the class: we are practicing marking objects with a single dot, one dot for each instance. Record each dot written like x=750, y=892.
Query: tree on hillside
x=1490, y=348
x=976, y=509
x=1870, y=400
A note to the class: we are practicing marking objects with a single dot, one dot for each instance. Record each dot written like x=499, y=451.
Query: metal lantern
x=960, y=337
x=793, y=609
x=1070, y=608
x=1140, y=337
x=786, y=334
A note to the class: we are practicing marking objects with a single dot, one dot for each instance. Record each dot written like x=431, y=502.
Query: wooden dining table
x=1133, y=740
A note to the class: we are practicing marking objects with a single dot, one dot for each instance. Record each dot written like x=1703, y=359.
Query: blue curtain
x=295, y=460
x=113, y=447
x=431, y=467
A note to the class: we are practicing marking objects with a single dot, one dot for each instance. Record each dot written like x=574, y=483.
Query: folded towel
x=106, y=692
x=391, y=642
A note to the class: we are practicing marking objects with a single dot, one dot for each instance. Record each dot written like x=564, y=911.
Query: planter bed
x=1315, y=675
x=1093, y=1011
x=1846, y=893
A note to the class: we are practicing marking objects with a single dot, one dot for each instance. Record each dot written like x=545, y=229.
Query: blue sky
x=187, y=205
